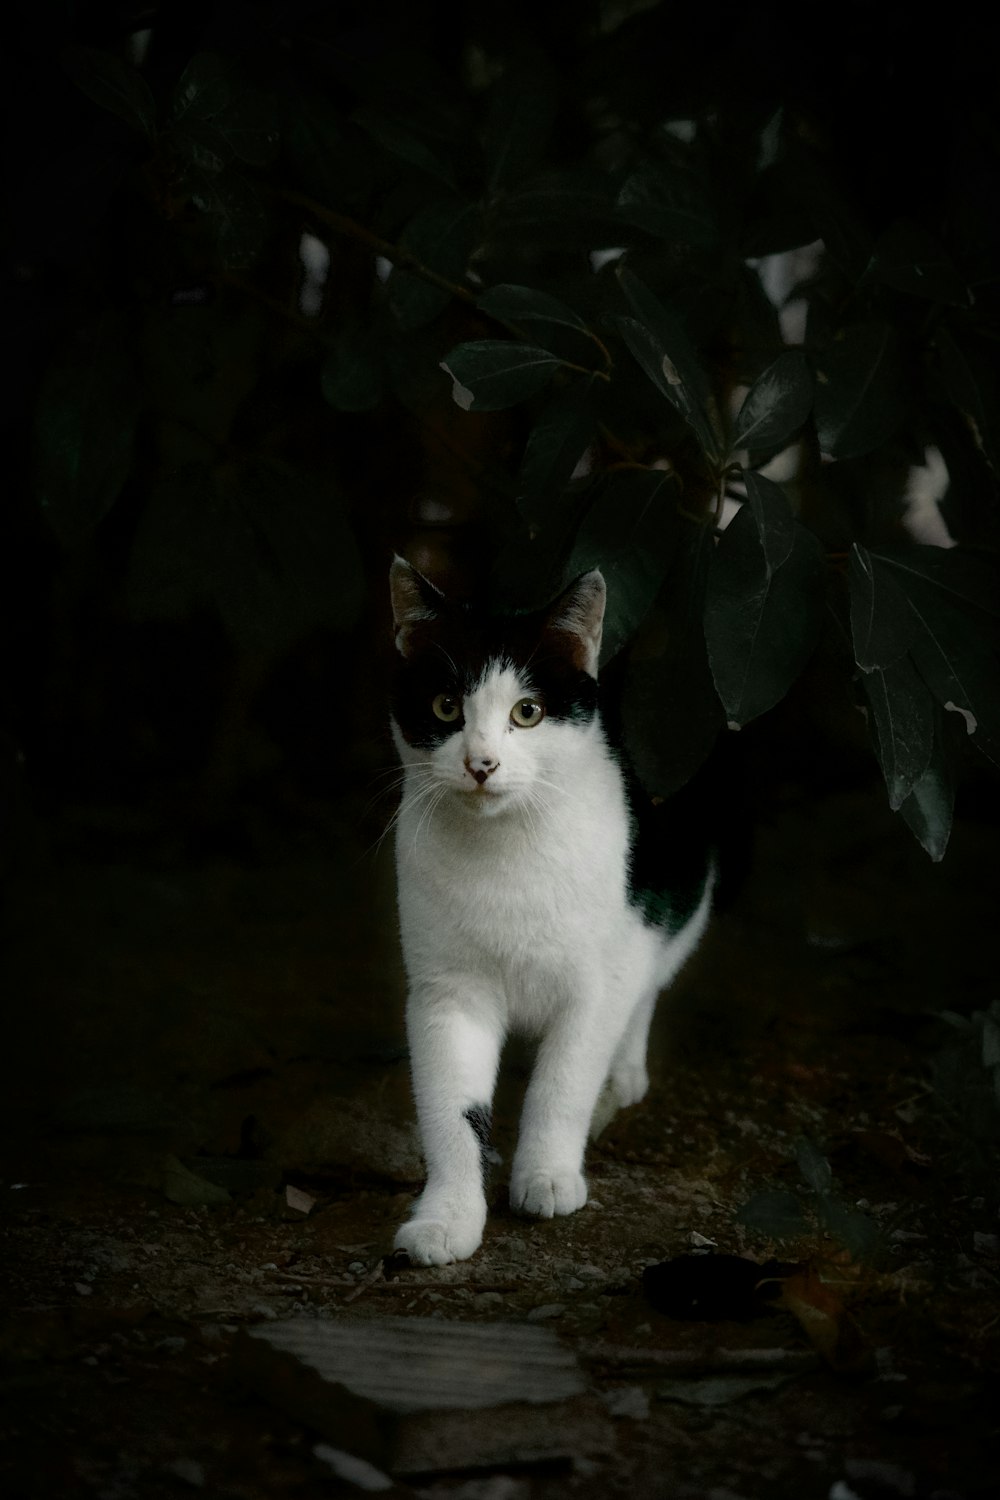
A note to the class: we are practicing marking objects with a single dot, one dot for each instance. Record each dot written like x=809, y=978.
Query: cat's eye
x=527, y=713
x=446, y=709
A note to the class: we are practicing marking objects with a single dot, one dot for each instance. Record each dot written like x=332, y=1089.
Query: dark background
x=178, y=671
x=205, y=487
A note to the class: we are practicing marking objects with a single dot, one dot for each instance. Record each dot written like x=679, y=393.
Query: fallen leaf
x=822, y=1316
x=180, y=1185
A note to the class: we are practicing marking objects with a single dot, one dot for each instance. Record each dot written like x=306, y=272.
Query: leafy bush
x=571, y=230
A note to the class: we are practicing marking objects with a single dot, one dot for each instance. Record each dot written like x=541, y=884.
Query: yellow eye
x=527, y=713
x=446, y=709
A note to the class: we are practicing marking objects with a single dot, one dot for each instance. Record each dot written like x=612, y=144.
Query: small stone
x=189, y=1470
x=356, y=1471
x=83, y=1288
x=591, y=1272
x=301, y=1201
x=547, y=1310
x=423, y=1395
x=627, y=1401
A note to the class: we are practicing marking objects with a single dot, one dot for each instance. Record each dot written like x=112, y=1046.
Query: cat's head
x=495, y=708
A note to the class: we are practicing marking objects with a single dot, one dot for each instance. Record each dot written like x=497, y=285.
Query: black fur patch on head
x=450, y=652
x=481, y=1120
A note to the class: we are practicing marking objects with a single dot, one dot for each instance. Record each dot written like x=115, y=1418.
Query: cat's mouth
x=485, y=798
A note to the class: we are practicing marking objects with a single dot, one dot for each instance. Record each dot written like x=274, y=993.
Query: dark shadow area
x=205, y=1105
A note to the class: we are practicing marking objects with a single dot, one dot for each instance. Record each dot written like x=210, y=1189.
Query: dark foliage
x=219, y=435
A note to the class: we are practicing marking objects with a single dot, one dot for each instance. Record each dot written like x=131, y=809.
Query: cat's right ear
x=579, y=613
x=415, y=600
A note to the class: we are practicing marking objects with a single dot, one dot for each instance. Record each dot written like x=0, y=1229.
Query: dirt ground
x=179, y=1029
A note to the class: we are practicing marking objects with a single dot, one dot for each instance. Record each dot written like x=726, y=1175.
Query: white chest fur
x=522, y=899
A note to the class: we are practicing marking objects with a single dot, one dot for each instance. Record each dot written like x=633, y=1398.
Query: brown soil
x=241, y=1026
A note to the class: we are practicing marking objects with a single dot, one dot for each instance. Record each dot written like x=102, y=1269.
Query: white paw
x=433, y=1242
x=625, y=1085
x=629, y=1082
x=546, y=1194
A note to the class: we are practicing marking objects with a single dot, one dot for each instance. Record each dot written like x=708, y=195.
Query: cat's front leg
x=547, y=1176
x=454, y=1053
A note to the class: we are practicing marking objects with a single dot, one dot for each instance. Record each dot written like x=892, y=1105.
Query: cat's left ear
x=579, y=611
x=415, y=600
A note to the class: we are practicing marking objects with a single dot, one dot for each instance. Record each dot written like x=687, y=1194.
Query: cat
x=526, y=899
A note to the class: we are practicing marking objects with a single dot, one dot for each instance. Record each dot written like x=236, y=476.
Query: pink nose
x=480, y=767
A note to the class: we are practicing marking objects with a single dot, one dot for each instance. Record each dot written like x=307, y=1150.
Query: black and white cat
x=520, y=909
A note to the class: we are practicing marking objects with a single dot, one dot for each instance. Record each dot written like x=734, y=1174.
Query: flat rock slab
x=420, y=1395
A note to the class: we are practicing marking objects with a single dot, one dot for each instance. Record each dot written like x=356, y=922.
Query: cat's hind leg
x=454, y=1054
x=628, y=1079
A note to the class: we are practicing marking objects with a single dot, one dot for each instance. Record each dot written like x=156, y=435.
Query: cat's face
x=494, y=709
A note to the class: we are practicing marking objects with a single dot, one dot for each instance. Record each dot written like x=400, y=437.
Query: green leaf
x=113, y=84
x=929, y=807
x=492, y=374
x=235, y=212
x=762, y=621
x=523, y=304
x=776, y=525
x=399, y=141
x=522, y=108
x=441, y=237
x=267, y=547
x=630, y=532
x=803, y=179
x=84, y=428
x=968, y=580
x=972, y=388
x=859, y=403
x=182, y=1186
x=777, y=1214
x=855, y=1231
x=571, y=211
x=813, y=1165
x=882, y=625
x=658, y=340
x=777, y=404
x=555, y=446
x=902, y=723
x=911, y=260
x=959, y=667
x=330, y=163
x=673, y=202
x=219, y=116
x=671, y=711
x=351, y=377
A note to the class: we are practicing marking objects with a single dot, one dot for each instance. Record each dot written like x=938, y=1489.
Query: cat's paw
x=628, y=1083
x=433, y=1242
x=545, y=1194
x=625, y=1085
